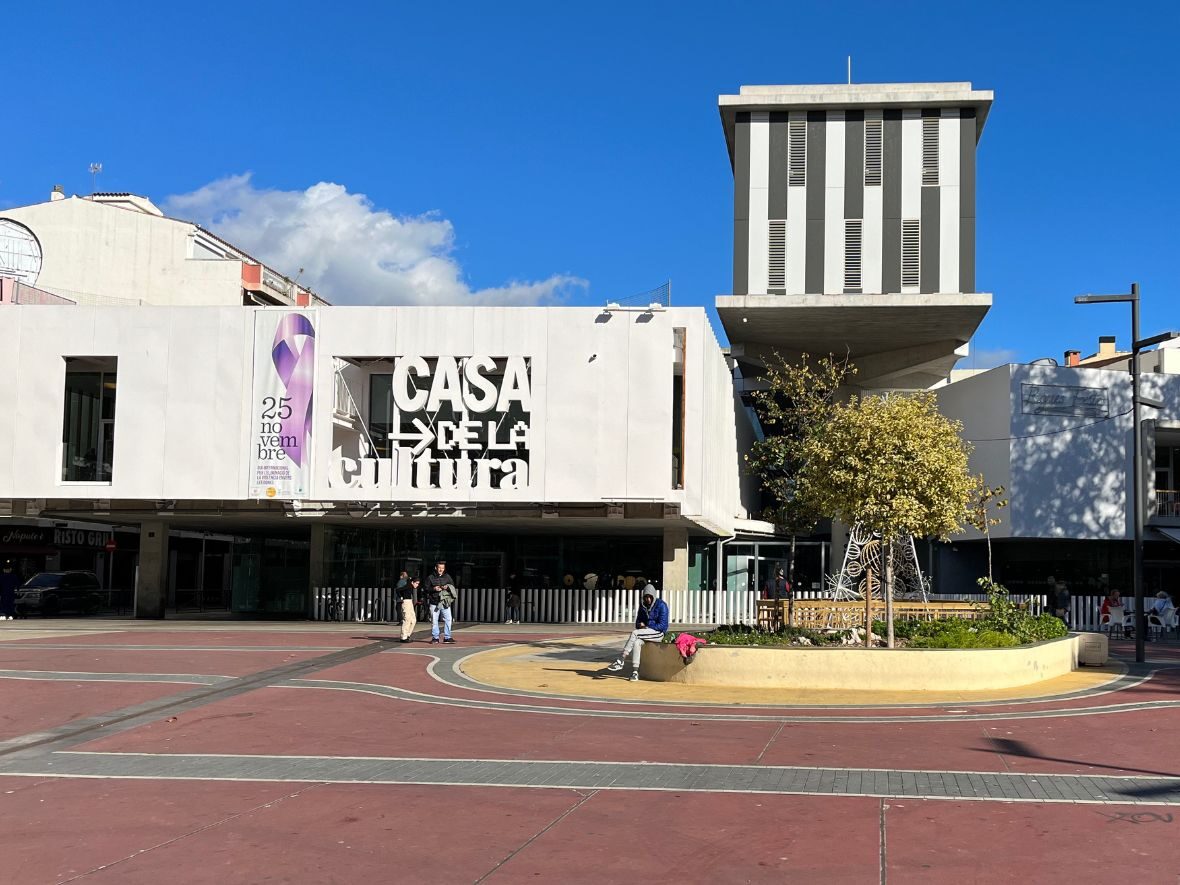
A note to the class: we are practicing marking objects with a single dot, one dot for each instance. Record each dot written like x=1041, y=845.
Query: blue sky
x=524, y=151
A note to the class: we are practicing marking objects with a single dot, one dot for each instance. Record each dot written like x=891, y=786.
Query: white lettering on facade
x=483, y=442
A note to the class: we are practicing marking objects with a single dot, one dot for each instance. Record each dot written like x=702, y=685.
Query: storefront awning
x=1172, y=535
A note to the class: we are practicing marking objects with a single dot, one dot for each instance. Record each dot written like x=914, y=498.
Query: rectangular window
x=88, y=425
x=797, y=153
x=873, y=138
x=911, y=252
x=381, y=412
x=679, y=353
x=930, y=150
x=852, y=253
x=777, y=255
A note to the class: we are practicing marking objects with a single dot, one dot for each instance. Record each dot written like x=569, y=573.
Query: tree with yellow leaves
x=896, y=466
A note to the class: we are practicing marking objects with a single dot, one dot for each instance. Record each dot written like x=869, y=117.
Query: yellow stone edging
x=576, y=668
x=836, y=668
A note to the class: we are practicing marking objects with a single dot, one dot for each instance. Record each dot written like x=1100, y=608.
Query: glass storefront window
x=374, y=557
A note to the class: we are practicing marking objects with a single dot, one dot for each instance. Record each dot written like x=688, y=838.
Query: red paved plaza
x=306, y=753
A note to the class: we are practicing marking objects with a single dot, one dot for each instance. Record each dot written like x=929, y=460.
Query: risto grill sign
x=38, y=536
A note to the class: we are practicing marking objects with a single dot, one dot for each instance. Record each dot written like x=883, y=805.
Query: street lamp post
x=1137, y=345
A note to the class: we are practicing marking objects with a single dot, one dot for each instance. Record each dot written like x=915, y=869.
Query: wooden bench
x=828, y=614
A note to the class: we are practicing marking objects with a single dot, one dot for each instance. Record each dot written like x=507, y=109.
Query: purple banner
x=296, y=368
x=281, y=419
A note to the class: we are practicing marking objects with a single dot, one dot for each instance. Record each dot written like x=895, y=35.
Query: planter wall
x=879, y=669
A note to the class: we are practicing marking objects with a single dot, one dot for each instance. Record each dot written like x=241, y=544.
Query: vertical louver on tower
x=852, y=253
x=930, y=150
x=797, y=153
x=777, y=255
x=911, y=252
x=872, y=151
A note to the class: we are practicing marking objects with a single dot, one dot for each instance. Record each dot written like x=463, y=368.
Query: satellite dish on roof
x=20, y=252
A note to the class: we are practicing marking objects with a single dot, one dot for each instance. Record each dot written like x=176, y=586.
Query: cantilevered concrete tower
x=854, y=226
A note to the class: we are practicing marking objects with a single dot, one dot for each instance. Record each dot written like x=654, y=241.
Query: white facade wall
x=1066, y=476
x=97, y=253
x=601, y=389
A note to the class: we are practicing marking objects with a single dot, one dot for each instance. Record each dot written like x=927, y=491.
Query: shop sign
x=1068, y=402
x=281, y=405
x=36, y=536
x=460, y=422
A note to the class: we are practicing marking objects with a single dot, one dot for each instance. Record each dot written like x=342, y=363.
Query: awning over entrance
x=1170, y=534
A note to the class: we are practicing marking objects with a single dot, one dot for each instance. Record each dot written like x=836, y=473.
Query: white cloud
x=350, y=251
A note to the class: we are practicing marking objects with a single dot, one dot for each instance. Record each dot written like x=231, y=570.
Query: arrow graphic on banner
x=425, y=436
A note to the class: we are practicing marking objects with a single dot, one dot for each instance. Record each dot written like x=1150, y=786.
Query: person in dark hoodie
x=9, y=582
x=651, y=623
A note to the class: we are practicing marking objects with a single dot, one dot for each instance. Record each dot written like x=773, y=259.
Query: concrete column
x=316, y=572
x=151, y=588
x=675, y=575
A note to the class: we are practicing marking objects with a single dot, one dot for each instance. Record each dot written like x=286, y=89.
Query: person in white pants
x=408, y=593
x=651, y=622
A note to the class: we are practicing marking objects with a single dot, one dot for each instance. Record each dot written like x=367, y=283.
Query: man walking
x=406, y=591
x=651, y=623
x=440, y=593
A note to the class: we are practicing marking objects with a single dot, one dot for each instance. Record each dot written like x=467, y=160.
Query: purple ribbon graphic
x=296, y=370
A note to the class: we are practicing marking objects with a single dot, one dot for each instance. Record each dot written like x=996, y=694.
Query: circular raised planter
x=878, y=669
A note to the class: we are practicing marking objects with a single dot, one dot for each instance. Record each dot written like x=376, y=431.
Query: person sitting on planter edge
x=651, y=623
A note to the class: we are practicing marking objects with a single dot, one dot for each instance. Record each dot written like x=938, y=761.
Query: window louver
x=777, y=254
x=930, y=150
x=852, y=252
x=911, y=252
x=873, y=153
x=797, y=153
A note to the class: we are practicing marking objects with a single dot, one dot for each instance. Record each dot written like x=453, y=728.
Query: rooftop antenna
x=95, y=169
x=850, y=70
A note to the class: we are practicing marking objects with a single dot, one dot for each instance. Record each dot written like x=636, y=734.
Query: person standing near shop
x=440, y=593
x=406, y=592
x=8, y=584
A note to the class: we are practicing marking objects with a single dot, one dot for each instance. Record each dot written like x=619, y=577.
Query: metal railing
x=543, y=605
x=1167, y=503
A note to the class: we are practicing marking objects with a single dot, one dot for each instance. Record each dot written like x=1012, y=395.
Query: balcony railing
x=1167, y=503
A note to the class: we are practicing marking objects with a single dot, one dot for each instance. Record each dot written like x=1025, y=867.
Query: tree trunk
x=868, y=608
x=988, y=537
x=889, y=596
x=791, y=563
x=791, y=584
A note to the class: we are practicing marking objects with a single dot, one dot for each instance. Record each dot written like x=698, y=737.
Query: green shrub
x=743, y=634
x=1042, y=627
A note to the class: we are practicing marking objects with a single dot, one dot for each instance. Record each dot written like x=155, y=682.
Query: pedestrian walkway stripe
x=110, y=646
x=644, y=776
x=114, y=721
x=72, y=676
x=404, y=694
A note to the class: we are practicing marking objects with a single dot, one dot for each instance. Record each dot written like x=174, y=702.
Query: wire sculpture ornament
x=863, y=569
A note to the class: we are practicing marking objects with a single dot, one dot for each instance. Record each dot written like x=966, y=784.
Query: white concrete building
x=120, y=249
x=265, y=451
x=1058, y=440
x=546, y=441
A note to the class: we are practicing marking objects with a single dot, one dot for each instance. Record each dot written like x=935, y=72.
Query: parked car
x=51, y=593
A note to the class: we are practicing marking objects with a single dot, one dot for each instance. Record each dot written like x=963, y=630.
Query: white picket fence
x=545, y=605
x=576, y=605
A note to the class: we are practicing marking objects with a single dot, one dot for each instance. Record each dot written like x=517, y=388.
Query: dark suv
x=51, y=593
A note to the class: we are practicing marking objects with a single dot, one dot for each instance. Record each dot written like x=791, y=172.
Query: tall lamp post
x=1137, y=400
